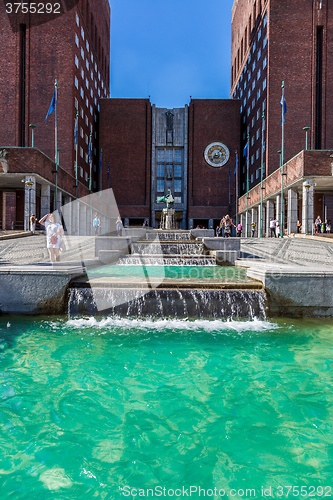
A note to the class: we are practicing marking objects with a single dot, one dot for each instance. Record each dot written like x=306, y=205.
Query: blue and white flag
x=236, y=167
x=284, y=107
x=246, y=150
x=263, y=133
x=76, y=129
x=52, y=106
x=89, y=151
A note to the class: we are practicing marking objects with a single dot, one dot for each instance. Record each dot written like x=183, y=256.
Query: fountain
x=150, y=280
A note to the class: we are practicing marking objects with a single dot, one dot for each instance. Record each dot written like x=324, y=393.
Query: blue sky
x=170, y=50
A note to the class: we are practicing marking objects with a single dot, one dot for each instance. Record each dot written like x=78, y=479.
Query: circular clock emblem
x=216, y=154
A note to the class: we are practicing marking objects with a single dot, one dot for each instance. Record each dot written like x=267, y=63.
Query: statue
x=4, y=160
x=168, y=199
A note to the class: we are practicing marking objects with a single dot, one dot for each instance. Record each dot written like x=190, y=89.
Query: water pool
x=176, y=272
x=91, y=406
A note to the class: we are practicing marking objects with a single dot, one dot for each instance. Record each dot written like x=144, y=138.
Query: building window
x=160, y=155
x=86, y=176
x=264, y=105
x=76, y=103
x=81, y=111
x=252, y=123
x=252, y=161
x=252, y=140
x=86, y=139
x=168, y=155
x=160, y=185
x=76, y=61
x=91, y=110
x=87, y=46
x=81, y=169
x=259, y=54
x=253, y=84
x=257, y=154
x=249, y=94
x=264, y=43
x=178, y=170
x=76, y=82
x=258, y=95
x=258, y=133
x=257, y=173
x=81, y=131
x=248, y=111
x=86, y=157
x=178, y=199
x=76, y=39
x=99, y=76
x=264, y=64
x=82, y=53
x=258, y=74
x=81, y=153
x=77, y=19
x=160, y=170
x=253, y=66
x=254, y=47
x=259, y=34
x=265, y=20
x=91, y=93
x=87, y=84
x=253, y=103
x=251, y=178
x=82, y=33
x=264, y=83
x=178, y=155
x=178, y=186
x=249, y=76
x=258, y=114
x=81, y=92
x=87, y=64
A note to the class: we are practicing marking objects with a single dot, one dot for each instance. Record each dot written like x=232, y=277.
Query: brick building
x=275, y=41
x=72, y=47
x=150, y=150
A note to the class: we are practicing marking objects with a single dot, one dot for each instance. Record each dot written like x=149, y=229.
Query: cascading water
x=185, y=297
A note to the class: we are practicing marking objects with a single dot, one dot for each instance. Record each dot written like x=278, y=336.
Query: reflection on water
x=90, y=405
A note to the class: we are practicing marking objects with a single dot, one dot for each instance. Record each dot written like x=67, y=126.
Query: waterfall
x=184, y=303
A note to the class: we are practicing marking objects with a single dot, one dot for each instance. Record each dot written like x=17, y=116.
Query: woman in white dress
x=54, y=231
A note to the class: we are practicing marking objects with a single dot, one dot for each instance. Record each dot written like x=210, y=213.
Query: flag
x=284, y=107
x=236, y=167
x=246, y=150
x=52, y=105
x=262, y=132
x=76, y=128
x=89, y=150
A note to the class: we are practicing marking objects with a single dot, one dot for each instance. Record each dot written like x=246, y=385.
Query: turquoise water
x=177, y=272
x=89, y=406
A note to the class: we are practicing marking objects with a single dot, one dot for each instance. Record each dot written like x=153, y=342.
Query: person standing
x=119, y=226
x=272, y=226
x=277, y=229
x=33, y=221
x=54, y=231
x=96, y=224
x=239, y=229
x=253, y=229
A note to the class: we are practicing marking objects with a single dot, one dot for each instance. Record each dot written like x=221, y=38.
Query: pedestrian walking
x=54, y=231
x=272, y=226
x=96, y=224
x=33, y=221
x=119, y=226
x=239, y=229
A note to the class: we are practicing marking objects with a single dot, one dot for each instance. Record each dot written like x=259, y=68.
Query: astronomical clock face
x=216, y=154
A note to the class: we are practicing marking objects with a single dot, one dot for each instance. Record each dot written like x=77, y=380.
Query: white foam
x=217, y=325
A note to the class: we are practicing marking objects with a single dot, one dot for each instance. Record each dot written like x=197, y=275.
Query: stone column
x=263, y=220
x=67, y=214
x=45, y=200
x=254, y=218
x=278, y=208
x=269, y=216
x=292, y=211
x=243, y=222
x=307, y=207
x=83, y=220
x=29, y=201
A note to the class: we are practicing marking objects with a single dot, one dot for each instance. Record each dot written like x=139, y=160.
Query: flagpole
x=262, y=175
x=56, y=143
x=247, y=185
x=236, y=187
x=76, y=150
x=282, y=159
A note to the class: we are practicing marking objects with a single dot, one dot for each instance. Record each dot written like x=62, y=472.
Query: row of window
x=177, y=185
x=169, y=155
x=169, y=170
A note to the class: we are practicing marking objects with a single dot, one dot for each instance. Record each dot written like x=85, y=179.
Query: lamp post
x=306, y=136
x=32, y=126
x=307, y=186
x=29, y=185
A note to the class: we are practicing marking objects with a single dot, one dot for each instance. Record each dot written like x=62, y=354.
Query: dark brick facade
x=66, y=48
x=125, y=138
x=212, y=120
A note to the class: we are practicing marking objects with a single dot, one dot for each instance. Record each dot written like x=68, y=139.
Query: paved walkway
x=299, y=251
